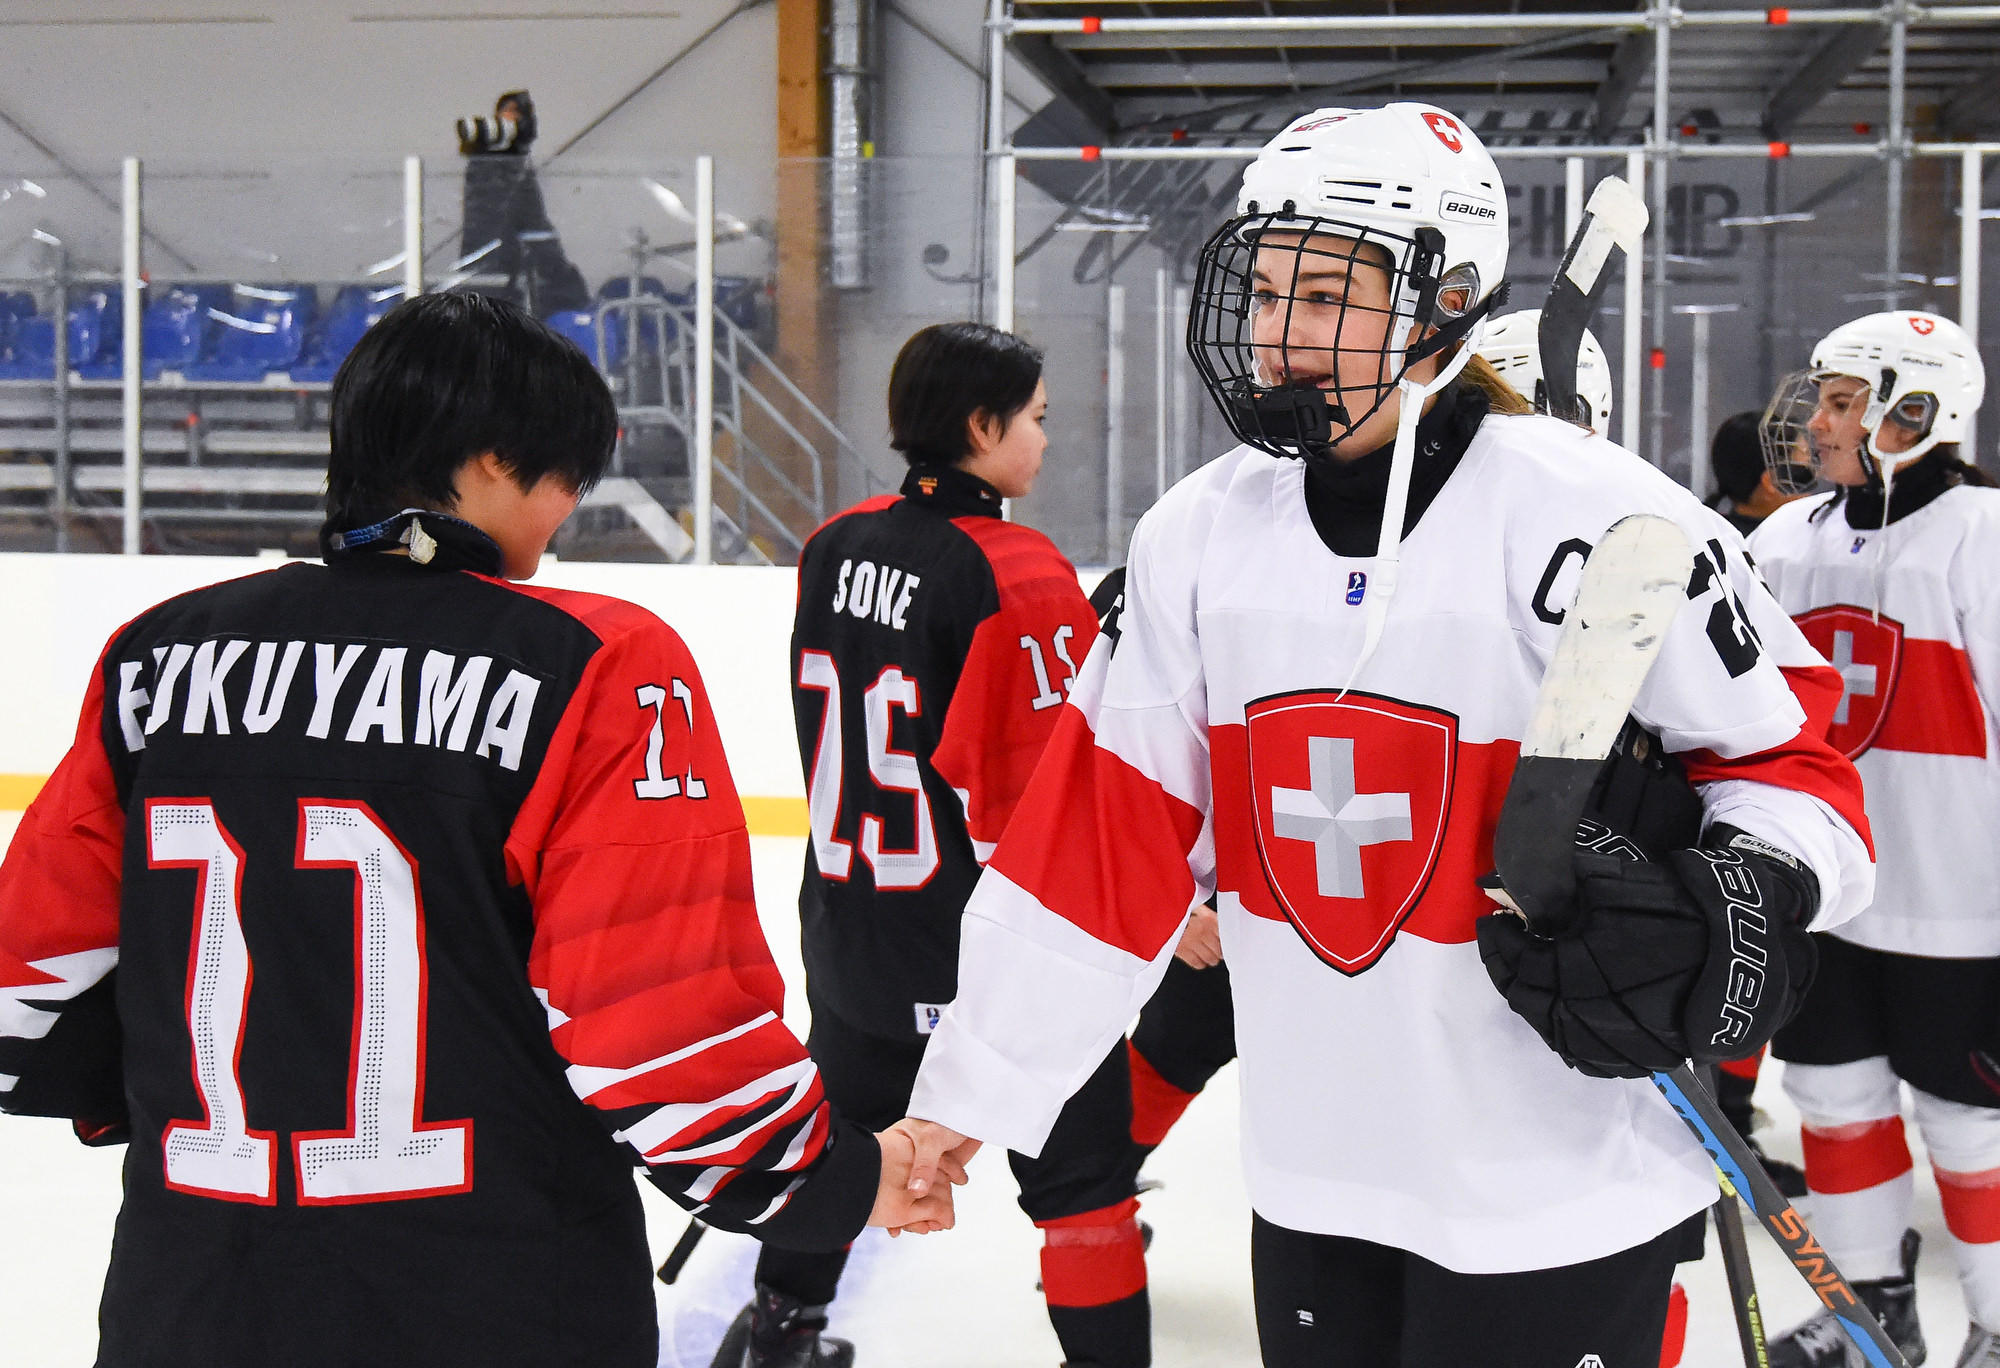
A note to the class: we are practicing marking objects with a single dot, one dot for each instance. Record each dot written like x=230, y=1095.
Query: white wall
x=56, y=613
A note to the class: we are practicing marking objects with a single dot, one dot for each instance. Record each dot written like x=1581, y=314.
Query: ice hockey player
x=1512, y=346
x=1753, y=488
x=1322, y=733
x=376, y=903
x=1187, y=1032
x=1895, y=577
x=934, y=644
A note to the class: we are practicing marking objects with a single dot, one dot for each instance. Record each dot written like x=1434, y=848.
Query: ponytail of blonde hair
x=1501, y=397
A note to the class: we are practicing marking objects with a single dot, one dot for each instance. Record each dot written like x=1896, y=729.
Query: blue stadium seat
x=736, y=299
x=171, y=333
x=580, y=327
x=260, y=331
x=31, y=348
x=620, y=287
x=354, y=311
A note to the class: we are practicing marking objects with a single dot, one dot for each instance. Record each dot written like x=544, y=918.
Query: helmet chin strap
x=1395, y=504
x=1885, y=468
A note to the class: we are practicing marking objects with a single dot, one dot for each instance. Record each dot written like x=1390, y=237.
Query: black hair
x=947, y=374
x=1737, y=457
x=524, y=122
x=443, y=378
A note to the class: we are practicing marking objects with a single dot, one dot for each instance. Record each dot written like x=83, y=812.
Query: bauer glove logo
x=1743, y=982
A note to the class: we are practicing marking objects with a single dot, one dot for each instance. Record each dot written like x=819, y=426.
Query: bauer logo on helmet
x=1446, y=129
x=1455, y=206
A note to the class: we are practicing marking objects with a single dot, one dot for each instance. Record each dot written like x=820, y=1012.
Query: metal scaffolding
x=1648, y=163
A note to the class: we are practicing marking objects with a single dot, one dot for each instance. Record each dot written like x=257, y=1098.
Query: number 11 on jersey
x=386, y=1151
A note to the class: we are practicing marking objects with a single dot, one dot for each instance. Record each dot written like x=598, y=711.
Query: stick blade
x=1633, y=583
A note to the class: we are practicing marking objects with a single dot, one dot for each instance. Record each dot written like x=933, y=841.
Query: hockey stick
x=1736, y=1262
x=1614, y=217
x=1742, y=1285
x=1632, y=584
x=683, y=1249
x=1732, y=1154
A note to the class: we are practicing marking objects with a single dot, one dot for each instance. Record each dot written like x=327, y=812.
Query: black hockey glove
x=1702, y=958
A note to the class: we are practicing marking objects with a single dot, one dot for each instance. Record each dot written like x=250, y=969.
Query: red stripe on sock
x=1743, y=1068
x=1156, y=1103
x=1675, y=1339
x=1853, y=1158
x=1971, y=1204
x=1093, y=1258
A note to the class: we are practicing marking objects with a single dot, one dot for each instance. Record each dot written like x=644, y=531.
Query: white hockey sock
x=1858, y=1163
x=1965, y=1155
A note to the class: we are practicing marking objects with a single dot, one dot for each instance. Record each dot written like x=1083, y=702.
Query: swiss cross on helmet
x=1365, y=241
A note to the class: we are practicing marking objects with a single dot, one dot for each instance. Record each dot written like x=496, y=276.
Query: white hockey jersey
x=1388, y=1091
x=1919, y=688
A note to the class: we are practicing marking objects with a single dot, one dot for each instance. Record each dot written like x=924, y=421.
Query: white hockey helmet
x=1512, y=346
x=1407, y=188
x=1923, y=374
x=1409, y=179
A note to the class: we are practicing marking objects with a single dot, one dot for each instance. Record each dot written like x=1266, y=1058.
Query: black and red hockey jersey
x=384, y=901
x=934, y=645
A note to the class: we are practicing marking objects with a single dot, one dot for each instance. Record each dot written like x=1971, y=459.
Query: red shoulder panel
x=1024, y=658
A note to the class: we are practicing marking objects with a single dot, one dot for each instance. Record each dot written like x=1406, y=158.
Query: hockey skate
x=1821, y=1343
x=1982, y=1350
x=778, y=1331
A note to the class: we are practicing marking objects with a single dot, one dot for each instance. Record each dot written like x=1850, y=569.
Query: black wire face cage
x=1790, y=453
x=1293, y=318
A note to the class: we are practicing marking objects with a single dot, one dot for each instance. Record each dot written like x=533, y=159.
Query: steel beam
x=1330, y=77
x=1061, y=73
x=1398, y=73
x=1830, y=64
x=1629, y=65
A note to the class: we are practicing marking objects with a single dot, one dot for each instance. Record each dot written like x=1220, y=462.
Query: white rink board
x=56, y=613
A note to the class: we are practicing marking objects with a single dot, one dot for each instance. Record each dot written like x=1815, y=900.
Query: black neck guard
x=432, y=539
x=951, y=491
x=1915, y=485
x=1345, y=498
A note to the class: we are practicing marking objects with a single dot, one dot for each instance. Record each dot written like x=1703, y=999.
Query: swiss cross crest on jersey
x=1351, y=794
x=1867, y=654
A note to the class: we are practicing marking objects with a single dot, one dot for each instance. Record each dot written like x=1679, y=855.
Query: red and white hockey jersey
x=1388, y=1091
x=1919, y=687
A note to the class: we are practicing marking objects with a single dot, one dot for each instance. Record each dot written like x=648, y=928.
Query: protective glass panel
x=59, y=255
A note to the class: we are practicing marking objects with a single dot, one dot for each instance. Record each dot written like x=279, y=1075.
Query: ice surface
x=965, y=1299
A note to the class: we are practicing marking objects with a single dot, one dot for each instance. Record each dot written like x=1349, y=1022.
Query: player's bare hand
x=897, y=1207
x=1201, y=940
x=940, y=1152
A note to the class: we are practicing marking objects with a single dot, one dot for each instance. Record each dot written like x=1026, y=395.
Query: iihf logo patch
x=929, y=1014
x=1855, y=549
x=1357, y=585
